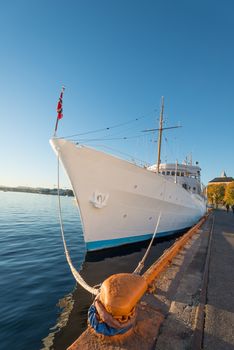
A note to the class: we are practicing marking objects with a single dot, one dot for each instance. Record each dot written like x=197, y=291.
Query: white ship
x=120, y=202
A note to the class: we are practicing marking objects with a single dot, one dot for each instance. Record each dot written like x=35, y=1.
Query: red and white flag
x=60, y=105
x=59, y=109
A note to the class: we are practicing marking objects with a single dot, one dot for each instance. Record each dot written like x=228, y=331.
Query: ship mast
x=160, y=130
x=160, y=134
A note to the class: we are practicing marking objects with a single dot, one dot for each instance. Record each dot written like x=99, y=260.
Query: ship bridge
x=185, y=174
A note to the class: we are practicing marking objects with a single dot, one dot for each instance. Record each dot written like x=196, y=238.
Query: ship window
x=194, y=188
x=172, y=173
x=163, y=172
x=184, y=186
x=168, y=172
x=178, y=173
x=182, y=174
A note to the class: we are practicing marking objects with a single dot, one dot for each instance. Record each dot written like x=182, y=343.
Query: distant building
x=223, y=179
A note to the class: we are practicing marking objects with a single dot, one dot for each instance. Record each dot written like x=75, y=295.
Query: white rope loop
x=75, y=273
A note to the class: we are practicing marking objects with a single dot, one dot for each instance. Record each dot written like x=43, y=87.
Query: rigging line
x=165, y=149
x=110, y=139
x=108, y=128
x=167, y=128
x=122, y=131
x=171, y=151
x=119, y=133
x=125, y=154
x=75, y=273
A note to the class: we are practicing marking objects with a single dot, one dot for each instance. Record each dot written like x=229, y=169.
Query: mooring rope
x=75, y=273
x=142, y=262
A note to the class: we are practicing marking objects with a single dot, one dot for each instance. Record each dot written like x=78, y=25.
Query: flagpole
x=56, y=127
x=59, y=110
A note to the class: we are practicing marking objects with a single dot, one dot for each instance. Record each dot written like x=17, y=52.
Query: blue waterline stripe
x=108, y=243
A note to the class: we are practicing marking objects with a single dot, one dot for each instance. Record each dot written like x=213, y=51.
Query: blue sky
x=116, y=59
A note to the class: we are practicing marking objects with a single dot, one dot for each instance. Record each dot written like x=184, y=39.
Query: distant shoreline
x=39, y=190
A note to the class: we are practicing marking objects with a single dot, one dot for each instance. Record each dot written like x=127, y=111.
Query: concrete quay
x=199, y=305
x=219, y=320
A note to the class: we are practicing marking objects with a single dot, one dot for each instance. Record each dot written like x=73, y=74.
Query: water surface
x=33, y=267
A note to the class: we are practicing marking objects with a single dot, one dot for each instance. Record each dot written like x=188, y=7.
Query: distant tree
x=229, y=194
x=215, y=194
x=70, y=193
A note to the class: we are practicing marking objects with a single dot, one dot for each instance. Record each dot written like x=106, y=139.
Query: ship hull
x=120, y=202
